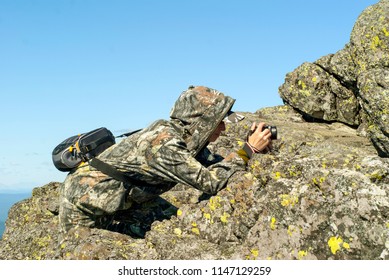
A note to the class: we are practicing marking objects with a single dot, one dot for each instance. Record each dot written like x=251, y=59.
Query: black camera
x=273, y=131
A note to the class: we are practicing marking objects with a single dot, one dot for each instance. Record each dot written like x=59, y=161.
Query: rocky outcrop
x=321, y=193
x=352, y=85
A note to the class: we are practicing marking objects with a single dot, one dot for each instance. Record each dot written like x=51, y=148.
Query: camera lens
x=273, y=131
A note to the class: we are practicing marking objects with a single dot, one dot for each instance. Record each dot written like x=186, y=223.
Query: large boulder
x=350, y=86
x=320, y=193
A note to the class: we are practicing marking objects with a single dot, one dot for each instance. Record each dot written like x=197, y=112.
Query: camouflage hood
x=197, y=113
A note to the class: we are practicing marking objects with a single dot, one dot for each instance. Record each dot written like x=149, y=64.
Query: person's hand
x=259, y=139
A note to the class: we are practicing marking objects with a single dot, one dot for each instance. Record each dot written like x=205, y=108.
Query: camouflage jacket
x=161, y=155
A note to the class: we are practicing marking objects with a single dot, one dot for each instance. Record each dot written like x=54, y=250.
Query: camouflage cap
x=199, y=110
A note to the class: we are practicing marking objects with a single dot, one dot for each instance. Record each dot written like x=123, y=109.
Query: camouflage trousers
x=135, y=221
x=70, y=216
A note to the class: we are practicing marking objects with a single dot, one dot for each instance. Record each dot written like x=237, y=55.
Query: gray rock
x=370, y=38
x=318, y=94
x=349, y=86
x=374, y=93
x=321, y=193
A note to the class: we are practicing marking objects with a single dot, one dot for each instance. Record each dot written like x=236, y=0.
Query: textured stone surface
x=321, y=193
x=320, y=95
x=374, y=92
x=350, y=86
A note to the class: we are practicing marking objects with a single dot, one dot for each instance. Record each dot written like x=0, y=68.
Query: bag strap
x=113, y=172
x=128, y=133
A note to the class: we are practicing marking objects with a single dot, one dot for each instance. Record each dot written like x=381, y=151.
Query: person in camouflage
x=159, y=156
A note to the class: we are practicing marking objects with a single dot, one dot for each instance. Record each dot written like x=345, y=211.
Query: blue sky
x=67, y=67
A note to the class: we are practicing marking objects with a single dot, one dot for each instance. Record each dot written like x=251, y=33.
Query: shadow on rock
x=137, y=220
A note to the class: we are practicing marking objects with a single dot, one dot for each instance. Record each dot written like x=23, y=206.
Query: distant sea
x=6, y=202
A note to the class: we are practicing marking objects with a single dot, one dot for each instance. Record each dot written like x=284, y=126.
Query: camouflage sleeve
x=175, y=162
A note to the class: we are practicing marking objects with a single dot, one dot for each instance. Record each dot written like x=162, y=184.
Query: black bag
x=81, y=148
